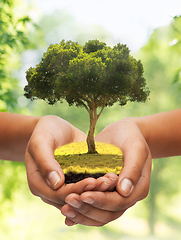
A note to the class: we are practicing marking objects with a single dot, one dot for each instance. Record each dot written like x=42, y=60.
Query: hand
x=97, y=208
x=45, y=176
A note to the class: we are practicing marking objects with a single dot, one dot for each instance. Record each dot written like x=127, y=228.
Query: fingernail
x=104, y=186
x=69, y=214
x=88, y=200
x=126, y=186
x=113, y=179
x=106, y=183
x=74, y=203
x=54, y=178
x=89, y=187
x=70, y=224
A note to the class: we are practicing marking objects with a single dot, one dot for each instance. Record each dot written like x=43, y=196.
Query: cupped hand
x=97, y=208
x=45, y=176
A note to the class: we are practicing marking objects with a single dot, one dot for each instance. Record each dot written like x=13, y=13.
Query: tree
x=15, y=30
x=94, y=76
x=163, y=45
x=14, y=38
x=175, y=44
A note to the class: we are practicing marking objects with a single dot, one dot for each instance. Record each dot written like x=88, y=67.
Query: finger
x=142, y=188
x=87, y=184
x=69, y=222
x=58, y=206
x=99, y=215
x=50, y=133
x=113, y=201
x=132, y=170
x=46, y=164
x=107, y=182
x=114, y=178
x=39, y=187
x=36, y=182
x=109, y=201
x=103, y=184
x=87, y=215
x=73, y=217
x=127, y=136
x=135, y=153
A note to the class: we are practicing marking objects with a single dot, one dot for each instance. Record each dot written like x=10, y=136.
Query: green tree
x=161, y=58
x=175, y=29
x=93, y=76
x=55, y=26
x=163, y=183
x=14, y=38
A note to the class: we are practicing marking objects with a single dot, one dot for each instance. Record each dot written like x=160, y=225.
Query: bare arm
x=162, y=132
x=15, y=132
x=159, y=134
x=34, y=139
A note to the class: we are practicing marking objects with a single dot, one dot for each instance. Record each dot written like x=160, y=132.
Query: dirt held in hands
x=77, y=164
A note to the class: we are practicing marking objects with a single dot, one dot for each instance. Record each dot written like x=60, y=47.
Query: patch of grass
x=74, y=158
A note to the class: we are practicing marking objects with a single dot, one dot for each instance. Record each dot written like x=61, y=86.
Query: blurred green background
x=23, y=216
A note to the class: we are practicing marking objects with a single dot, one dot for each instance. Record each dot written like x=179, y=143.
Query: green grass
x=74, y=158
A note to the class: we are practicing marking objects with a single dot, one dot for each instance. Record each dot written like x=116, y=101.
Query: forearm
x=15, y=132
x=162, y=132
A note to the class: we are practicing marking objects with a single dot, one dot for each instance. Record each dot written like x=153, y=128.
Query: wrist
x=140, y=124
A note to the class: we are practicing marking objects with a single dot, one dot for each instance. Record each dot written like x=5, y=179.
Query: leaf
x=25, y=20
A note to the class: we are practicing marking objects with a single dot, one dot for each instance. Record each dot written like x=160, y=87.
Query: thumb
x=134, y=162
x=49, y=133
x=43, y=157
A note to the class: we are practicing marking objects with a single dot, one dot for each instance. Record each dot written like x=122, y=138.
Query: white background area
x=129, y=21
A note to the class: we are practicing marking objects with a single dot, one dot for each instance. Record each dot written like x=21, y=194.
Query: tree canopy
x=93, y=76
x=83, y=75
x=14, y=38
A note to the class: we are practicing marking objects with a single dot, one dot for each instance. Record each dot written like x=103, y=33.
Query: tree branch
x=104, y=104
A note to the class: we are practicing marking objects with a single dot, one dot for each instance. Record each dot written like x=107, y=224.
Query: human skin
x=35, y=139
x=15, y=132
x=140, y=139
x=90, y=202
x=45, y=176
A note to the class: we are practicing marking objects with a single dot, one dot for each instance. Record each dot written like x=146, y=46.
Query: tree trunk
x=90, y=136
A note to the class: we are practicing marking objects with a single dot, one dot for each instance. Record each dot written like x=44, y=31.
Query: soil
x=72, y=177
x=78, y=165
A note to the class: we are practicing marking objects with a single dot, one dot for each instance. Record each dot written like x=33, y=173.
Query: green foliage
x=14, y=38
x=93, y=46
x=13, y=175
x=161, y=58
x=160, y=61
x=12, y=180
x=91, y=76
x=176, y=34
